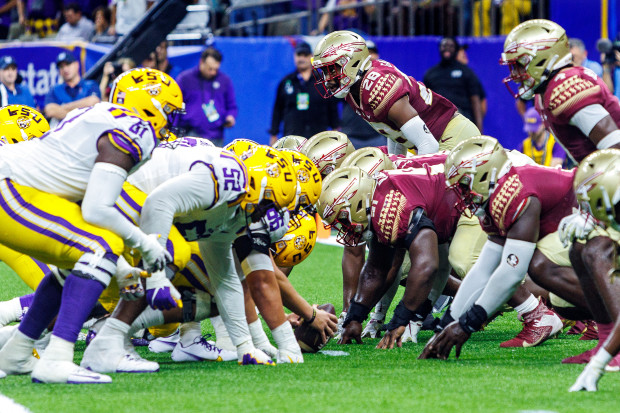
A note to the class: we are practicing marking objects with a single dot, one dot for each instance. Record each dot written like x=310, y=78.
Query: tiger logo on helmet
x=152, y=94
x=597, y=187
x=297, y=243
x=20, y=123
x=370, y=160
x=292, y=142
x=532, y=51
x=308, y=178
x=271, y=179
x=472, y=169
x=327, y=150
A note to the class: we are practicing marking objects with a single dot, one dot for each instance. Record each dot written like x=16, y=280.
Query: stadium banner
x=256, y=66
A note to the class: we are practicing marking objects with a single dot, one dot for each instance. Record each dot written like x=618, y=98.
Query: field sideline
x=485, y=379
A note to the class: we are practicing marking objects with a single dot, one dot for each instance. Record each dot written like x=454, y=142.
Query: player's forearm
x=291, y=298
x=266, y=294
x=373, y=283
x=353, y=259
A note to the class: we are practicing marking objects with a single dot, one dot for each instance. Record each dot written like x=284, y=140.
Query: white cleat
x=6, y=333
x=17, y=357
x=132, y=364
x=201, y=349
x=255, y=357
x=373, y=328
x=268, y=349
x=109, y=355
x=2, y=374
x=165, y=344
x=289, y=357
x=53, y=371
x=411, y=331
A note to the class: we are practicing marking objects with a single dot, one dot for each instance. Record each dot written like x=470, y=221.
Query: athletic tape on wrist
x=473, y=319
x=357, y=312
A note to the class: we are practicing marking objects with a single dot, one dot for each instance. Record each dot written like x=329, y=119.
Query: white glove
x=128, y=280
x=575, y=226
x=591, y=374
x=154, y=255
x=160, y=293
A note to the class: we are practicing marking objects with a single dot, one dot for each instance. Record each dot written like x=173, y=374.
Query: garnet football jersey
x=382, y=85
x=553, y=187
x=568, y=92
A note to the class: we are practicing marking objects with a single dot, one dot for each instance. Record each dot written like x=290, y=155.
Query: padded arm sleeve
x=587, y=118
x=182, y=194
x=104, y=187
x=512, y=268
x=395, y=148
x=477, y=277
x=416, y=132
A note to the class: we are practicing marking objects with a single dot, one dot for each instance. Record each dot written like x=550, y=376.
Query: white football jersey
x=185, y=162
x=60, y=162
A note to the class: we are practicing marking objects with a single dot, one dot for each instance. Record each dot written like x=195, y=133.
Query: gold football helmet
x=532, y=51
x=597, y=186
x=271, y=179
x=292, y=142
x=297, y=243
x=241, y=146
x=472, y=169
x=339, y=61
x=150, y=93
x=21, y=123
x=370, y=160
x=327, y=150
x=345, y=204
x=308, y=178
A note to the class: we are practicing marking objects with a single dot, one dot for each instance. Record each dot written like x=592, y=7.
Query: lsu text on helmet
x=533, y=50
x=327, y=150
x=271, y=180
x=150, y=93
x=308, y=179
x=597, y=186
x=370, y=160
x=472, y=169
x=292, y=142
x=20, y=123
x=297, y=243
x=339, y=61
x=345, y=204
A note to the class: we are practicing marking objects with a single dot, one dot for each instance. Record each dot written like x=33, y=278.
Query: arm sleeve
x=416, y=132
x=516, y=257
x=587, y=118
x=184, y=193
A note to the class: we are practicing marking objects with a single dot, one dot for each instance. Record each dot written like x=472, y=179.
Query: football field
x=353, y=378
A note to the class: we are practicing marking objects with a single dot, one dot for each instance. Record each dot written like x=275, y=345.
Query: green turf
x=486, y=378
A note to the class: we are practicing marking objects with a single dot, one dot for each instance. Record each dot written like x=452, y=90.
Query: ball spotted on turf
x=308, y=338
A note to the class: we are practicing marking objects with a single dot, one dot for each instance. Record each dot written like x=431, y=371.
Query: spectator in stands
x=126, y=13
x=73, y=93
x=11, y=91
x=76, y=26
x=209, y=98
x=456, y=82
x=580, y=56
x=6, y=8
x=39, y=18
x=161, y=60
x=88, y=7
x=101, y=17
x=360, y=133
x=540, y=145
x=241, y=14
x=110, y=71
x=298, y=104
x=354, y=18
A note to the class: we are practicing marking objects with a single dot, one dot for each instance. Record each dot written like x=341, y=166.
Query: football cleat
x=411, y=332
x=339, y=328
x=539, y=325
x=16, y=357
x=289, y=357
x=6, y=333
x=129, y=363
x=373, y=327
x=256, y=357
x=201, y=349
x=109, y=355
x=614, y=364
x=584, y=357
x=2, y=374
x=165, y=344
x=54, y=371
x=590, y=332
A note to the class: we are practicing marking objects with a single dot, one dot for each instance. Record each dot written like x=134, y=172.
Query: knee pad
x=96, y=267
x=559, y=302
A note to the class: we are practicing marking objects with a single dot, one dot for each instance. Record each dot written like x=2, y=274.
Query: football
x=308, y=338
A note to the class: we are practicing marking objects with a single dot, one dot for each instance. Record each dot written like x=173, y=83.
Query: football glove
x=591, y=374
x=575, y=226
x=160, y=293
x=128, y=280
x=154, y=255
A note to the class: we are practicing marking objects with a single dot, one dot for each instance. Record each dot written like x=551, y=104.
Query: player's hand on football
x=154, y=255
x=294, y=319
x=577, y=225
x=160, y=293
x=325, y=323
x=353, y=331
x=392, y=337
x=441, y=344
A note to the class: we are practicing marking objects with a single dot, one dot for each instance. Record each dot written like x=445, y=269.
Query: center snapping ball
x=308, y=338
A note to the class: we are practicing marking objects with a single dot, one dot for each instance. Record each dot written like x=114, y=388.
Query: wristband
x=313, y=316
x=402, y=315
x=473, y=319
x=357, y=312
x=445, y=320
